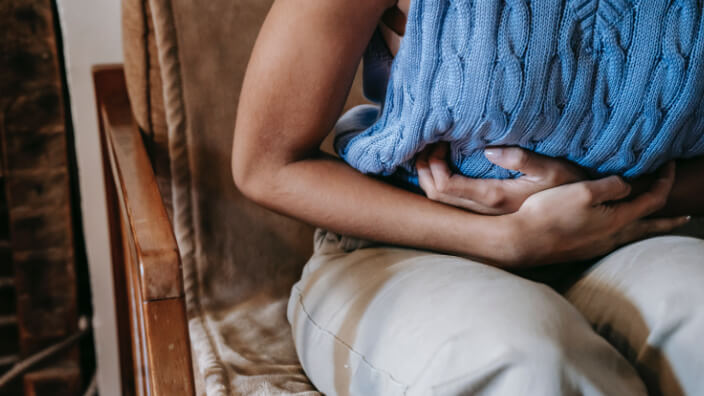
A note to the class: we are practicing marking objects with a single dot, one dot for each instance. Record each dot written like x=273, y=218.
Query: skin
x=496, y=197
x=297, y=81
x=491, y=196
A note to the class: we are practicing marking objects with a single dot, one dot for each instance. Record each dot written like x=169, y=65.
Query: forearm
x=327, y=193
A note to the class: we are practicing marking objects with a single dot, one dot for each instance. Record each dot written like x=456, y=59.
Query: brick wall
x=38, y=288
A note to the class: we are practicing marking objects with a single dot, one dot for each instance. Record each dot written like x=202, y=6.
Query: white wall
x=92, y=35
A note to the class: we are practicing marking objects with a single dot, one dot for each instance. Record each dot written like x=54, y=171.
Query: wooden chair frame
x=155, y=352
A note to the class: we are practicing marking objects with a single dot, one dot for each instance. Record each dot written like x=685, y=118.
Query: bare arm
x=294, y=90
x=297, y=81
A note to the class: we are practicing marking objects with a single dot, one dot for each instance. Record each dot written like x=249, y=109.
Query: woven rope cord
x=209, y=362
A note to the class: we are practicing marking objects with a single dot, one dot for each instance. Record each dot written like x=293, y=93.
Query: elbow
x=239, y=175
x=246, y=179
x=255, y=175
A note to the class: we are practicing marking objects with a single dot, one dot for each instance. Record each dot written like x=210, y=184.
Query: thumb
x=518, y=159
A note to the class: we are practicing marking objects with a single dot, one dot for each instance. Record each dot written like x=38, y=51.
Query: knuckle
x=657, y=201
x=554, y=177
x=648, y=203
x=435, y=162
x=560, y=176
x=441, y=185
x=431, y=193
x=659, y=226
x=617, y=183
x=583, y=193
x=614, y=183
x=494, y=198
x=520, y=157
x=424, y=185
x=665, y=225
x=625, y=187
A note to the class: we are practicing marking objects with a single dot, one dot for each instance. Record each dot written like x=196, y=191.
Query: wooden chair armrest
x=155, y=352
x=137, y=190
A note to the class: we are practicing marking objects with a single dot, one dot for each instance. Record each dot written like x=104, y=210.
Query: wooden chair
x=201, y=274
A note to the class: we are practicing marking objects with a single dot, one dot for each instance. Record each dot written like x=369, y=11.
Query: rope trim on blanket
x=209, y=361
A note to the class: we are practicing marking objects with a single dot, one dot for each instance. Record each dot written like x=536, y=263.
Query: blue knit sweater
x=617, y=86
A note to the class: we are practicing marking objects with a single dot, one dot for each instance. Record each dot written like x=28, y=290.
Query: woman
x=453, y=312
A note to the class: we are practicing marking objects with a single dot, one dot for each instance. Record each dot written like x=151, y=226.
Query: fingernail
x=687, y=218
x=494, y=152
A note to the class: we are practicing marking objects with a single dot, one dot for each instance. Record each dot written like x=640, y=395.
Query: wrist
x=502, y=242
x=514, y=236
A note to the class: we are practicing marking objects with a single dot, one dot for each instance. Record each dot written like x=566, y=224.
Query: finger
x=514, y=158
x=437, y=161
x=518, y=159
x=425, y=177
x=644, y=228
x=487, y=196
x=484, y=191
x=488, y=192
x=428, y=185
x=422, y=158
x=653, y=199
x=552, y=170
x=597, y=192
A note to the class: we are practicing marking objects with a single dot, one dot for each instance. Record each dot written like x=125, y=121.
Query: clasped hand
x=555, y=213
x=492, y=196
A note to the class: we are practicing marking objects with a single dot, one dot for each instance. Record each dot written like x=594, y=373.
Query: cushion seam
x=338, y=339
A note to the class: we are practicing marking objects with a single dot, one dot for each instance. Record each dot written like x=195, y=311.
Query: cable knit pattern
x=616, y=86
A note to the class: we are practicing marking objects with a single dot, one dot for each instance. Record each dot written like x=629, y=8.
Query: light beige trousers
x=376, y=320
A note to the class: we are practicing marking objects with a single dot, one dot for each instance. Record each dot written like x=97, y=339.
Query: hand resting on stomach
x=577, y=218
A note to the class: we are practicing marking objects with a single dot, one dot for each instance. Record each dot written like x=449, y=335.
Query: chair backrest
x=184, y=62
